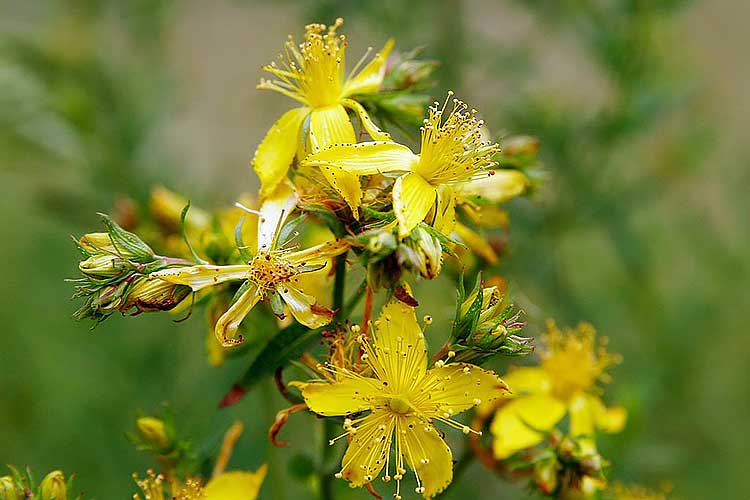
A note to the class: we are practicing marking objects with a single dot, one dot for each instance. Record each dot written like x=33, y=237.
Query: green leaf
x=130, y=244
x=183, y=228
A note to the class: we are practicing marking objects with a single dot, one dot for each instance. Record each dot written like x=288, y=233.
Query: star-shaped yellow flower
x=232, y=485
x=313, y=73
x=272, y=272
x=565, y=383
x=396, y=402
x=453, y=152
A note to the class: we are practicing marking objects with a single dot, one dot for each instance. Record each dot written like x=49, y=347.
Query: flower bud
x=8, y=490
x=53, y=486
x=422, y=252
x=152, y=294
x=545, y=476
x=485, y=325
x=153, y=432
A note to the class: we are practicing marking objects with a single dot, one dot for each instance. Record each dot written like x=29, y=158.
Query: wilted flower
x=272, y=273
x=404, y=398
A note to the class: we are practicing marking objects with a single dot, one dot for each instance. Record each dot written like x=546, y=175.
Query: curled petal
x=275, y=154
x=413, y=197
x=274, y=211
x=477, y=243
x=369, y=79
x=520, y=423
x=229, y=322
x=202, y=276
x=444, y=219
x=366, y=121
x=319, y=253
x=502, y=186
x=305, y=308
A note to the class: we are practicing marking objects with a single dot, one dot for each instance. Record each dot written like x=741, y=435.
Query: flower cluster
x=339, y=198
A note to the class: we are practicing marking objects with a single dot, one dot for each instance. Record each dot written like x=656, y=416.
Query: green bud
x=153, y=432
x=53, y=486
x=422, y=253
x=485, y=325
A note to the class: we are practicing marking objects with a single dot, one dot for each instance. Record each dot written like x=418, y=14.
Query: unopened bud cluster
x=116, y=266
x=486, y=324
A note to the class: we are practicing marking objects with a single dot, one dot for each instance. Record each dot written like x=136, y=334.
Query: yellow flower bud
x=53, y=486
x=8, y=490
x=153, y=431
x=152, y=294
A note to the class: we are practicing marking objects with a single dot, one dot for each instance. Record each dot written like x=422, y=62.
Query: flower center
x=399, y=404
x=453, y=148
x=267, y=270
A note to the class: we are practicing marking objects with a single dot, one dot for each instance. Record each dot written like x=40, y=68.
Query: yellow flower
x=452, y=153
x=233, y=485
x=403, y=399
x=272, y=273
x=313, y=73
x=565, y=383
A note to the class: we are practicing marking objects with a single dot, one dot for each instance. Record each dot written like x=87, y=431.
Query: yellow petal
x=476, y=243
x=319, y=254
x=229, y=322
x=366, y=121
x=365, y=158
x=397, y=332
x=588, y=413
x=413, y=197
x=514, y=424
x=236, y=485
x=460, y=386
x=346, y=184
x=329, y=126
x=444, y=217
x=503, y=186
x=370, y=78
x=613, y=419
x=427, y=455
x=201, y=276
x=276, y=152
x=525, y=381
x=305, y=308
x=340, y=398
x=366, y=454
x=274, y=211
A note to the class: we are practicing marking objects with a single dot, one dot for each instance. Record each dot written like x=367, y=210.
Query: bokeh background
x=641, y=226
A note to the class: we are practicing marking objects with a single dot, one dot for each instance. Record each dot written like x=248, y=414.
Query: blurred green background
x=641, y=226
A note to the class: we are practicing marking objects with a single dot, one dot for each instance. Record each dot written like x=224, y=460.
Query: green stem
x=326, y=476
